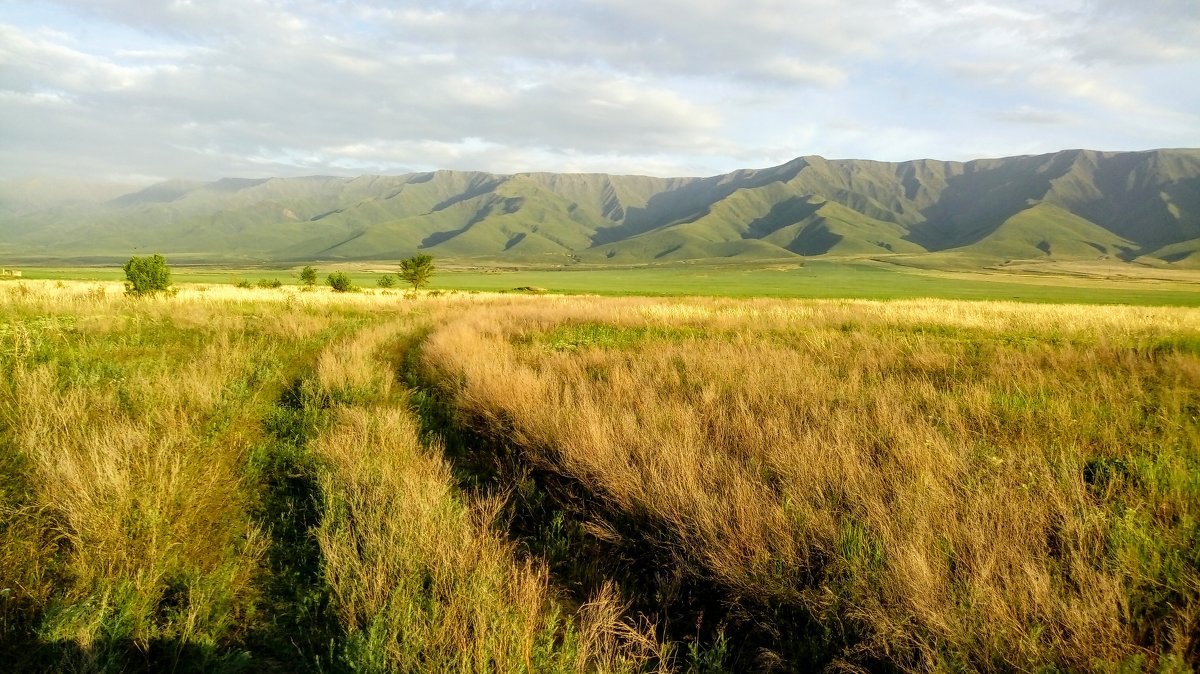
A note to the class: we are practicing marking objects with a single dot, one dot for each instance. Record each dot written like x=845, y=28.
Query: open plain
x=230, y=479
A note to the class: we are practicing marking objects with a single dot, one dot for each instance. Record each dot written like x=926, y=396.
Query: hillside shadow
x=235, y=184
x=514, y=240
x=478, y=189
x=783, y=214
x=161, y=193
x=1150, y=213
x=501, y=206
x=671, y=249
x=976, y=202
x=815, y=239
x=691, y=201
x=326, y=214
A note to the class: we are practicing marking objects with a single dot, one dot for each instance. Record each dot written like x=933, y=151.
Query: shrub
x=386, y=281
x=269, y=283
x=340, y=282
x=242, y=283
x=308, y=276
x=147, y=275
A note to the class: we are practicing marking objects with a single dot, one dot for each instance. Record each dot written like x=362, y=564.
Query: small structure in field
x=10, y=273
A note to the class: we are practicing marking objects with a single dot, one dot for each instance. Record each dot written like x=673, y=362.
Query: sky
x=138, y=90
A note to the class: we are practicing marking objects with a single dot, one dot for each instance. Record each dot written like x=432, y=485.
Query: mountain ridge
x=1139, y=207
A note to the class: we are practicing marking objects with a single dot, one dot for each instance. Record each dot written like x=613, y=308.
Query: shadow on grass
x=159, y=655
x=298, y=631
x=23, y=648
x=293, y=629
x=587, y=541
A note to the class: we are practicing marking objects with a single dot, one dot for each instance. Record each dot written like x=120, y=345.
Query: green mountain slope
x=1185, y=254
x=1046, y=230
x=1075, y=204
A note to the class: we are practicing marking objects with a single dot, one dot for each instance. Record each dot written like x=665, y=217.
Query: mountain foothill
x=1125, y=207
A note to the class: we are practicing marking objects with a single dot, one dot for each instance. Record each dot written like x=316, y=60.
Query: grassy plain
x=855, y=278
x=241, y=480
x=929, y=485
x=209, y=482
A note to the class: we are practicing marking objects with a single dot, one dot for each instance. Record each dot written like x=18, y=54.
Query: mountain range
x=1141, y=207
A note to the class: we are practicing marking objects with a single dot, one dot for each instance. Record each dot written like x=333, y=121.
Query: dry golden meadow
x=271, y=480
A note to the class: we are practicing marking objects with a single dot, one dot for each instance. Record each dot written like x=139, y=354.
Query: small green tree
x=147, y=275
x=308, y=276
x=417, y=270
x=340, y=282
x=386, y=281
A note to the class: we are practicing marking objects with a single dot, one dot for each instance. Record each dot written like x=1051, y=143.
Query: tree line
x=150, y=275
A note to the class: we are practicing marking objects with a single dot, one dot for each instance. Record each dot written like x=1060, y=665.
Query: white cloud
x=1029, y=115
x=225, y=86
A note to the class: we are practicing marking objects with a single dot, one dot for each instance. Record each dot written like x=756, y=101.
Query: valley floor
x=879, y=277
x=271, y=479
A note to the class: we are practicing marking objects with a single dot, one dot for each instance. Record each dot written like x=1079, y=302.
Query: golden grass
x=421, y=581
x=132, y=434
x=133, y=457
x=939, y=485
x=992, y=486
x=126, y=519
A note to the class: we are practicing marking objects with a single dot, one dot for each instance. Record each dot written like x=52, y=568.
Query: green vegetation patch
x=1166, y=344
x=571, y=336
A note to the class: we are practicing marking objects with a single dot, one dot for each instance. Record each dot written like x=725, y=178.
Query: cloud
x=1135, y=32
x=1029, y=115
x=224, y=87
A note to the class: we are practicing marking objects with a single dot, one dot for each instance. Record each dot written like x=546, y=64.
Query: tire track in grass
x=589, y=547
x=420, y=579
x=299, y=632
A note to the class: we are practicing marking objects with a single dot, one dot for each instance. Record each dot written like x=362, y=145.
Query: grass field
x=232, y=481
x=273, y=480
x=865, y=279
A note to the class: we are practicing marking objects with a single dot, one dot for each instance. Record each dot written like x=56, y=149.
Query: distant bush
x=340, y=282
x=308, y=276
x=386, y=281
x=147, y=275
x=243, y=283
x=269, y=283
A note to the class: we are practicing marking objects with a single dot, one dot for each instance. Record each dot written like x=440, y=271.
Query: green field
x=815, y=279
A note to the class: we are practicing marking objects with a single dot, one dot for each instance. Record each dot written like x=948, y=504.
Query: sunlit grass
x=159, y=456
x=926, y=485
x=980, y=485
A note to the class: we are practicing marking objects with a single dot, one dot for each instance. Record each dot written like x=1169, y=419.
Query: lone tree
x=340, y=282
x=308, y=276
x=416, y=270
x=147, y=275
